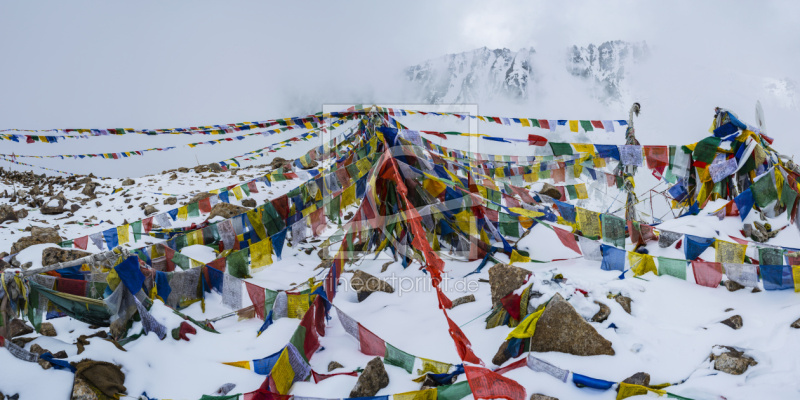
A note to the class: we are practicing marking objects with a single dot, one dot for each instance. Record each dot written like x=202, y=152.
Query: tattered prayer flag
x=527, y=327
x=567, y=239
x=764, y=190
x=434, y=367
x=628, y=390
x=486, y=384
x=707, y=274
x=183, y=212
x=641, y=263
x=613, y=230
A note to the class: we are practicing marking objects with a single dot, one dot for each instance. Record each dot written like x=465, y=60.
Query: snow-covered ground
x=670, y=333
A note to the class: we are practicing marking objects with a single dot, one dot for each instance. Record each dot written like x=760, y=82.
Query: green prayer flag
x=398, y=358
x=535, y=123
x=509, y=226
x=455, y=391
x=573, y=195
x=298, y=338
x=181, y=260
x=706, y=149
x=788, y=197
x=613, y=228
x=587, y=126
x=193, y=209
x=561, y=149
x=770, y=256
x=764, y=190
x=136, y=226
x=66, y=244
x=672, y=267
x=237, y=263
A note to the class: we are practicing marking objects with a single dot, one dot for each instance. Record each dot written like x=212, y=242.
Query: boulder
x=502, y=355
x=214, y=167
x=373, y=379
x=603, y=314
x=173, y=176
x=88, y=189
x=731, y=361
x=200, y=169
x=562, y=329
x=183, y=170
x=198, y=197
x=226, y=210
x=796, y=324
x=171, y=200
x=47, y=329
x=624, y=301
x=278, y=162
x=55, y=205
x=55, y=255
x=150, y=209
x=334, y=365
x=639, y=378
x=82, y=390
x=504, y=279
x=365, y=284
x=128, y=182
x=551, y=191
x=539, y=396
x=251, y=203
x=35, y=348
x=7, y=214
x=732, y=286
x=103, y=376
x=734, y=322
x=38, y=236
x=21, y=213
x=470, y=298
x=18, y=327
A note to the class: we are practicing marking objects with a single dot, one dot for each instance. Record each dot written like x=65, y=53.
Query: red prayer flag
x=486, y=384
x=281, y=205
x=706, y=273
x=252, y=187
x=544, y=124
x=204, y=205
x=463, y=346
x=536, y=140
x=71, y=286
x=370, y=343
x=147, y=224
x=567, y=239
x=258, y=297
x=598, y=124
x=81, y=242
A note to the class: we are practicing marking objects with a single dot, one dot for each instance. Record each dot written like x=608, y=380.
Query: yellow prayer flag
x=298, y=304
x=729, y=252
x=525, y=122
x=779, y=179
x=237, y=191
x=254, y=216
x=434, y=367
x=584, y=148
x=310, y=209
x=240, y=364
x=527, y=327
x=425, y=394
x=466, y=222
x=183, y=213
x=627, y=390
x=349, y=196
x=580, y=189
x=526, y=213
x=573, y=125
x=194, y=237
x=589, y=222
x=796, y=276
x=641, y=263
x=261, y=254
x=122, y=234
x=516, y=257
x=282, y=373
x=433, y=185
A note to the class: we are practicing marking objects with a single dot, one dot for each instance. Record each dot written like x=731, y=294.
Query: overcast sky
x=156, y=64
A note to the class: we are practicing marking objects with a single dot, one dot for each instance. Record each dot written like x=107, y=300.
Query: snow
x=673, y=327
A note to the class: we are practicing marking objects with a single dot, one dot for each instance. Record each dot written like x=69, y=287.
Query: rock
x=311, y=165
x=7, y=213
x=200, y=169
x=18, y=327
x=171, y=200
x=47, y=329
x=373, y=379
x=251, y=203
x=796, y=324
x=550, y=190
x=55, y=255
x=173, y=176
x=226, y=210
x=82, y=390
x=60, y=354
x=732, y=361
x=51, y=208
x=502, y=354
x=624, y=301
x=505, y=279
x=732, y=286
x=334, y=365
x=277, y=162
x=562, y=329
x=214, y=167
x=755, y=290
x=35, y=348
x=734, y=322
x=463, y=300
x=150, y=209
x=603, y=314
x=128, y=182
x=88, y=189
x=38, y=236
x=74, y=207
x=183, y=170
x=98, y=203
x=198, y=197
x=386, y=265
x=639, y=378
x=21, y=213
x=539, y=396
x=365, y=284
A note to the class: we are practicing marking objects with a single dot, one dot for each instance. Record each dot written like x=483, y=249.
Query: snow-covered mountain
x=488, y=74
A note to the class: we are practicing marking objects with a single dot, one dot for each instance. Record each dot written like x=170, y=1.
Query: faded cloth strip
x=743, y=274
x=540, y=365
